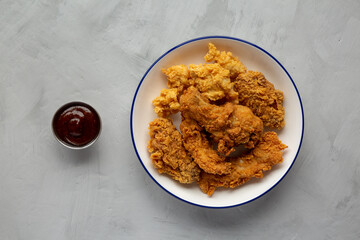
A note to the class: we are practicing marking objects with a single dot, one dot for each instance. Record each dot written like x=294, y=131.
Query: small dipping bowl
x=76, y=125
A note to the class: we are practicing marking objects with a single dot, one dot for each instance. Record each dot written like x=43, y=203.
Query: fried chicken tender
x=262, y=158
x=197, y=144
x=229, y=125
x=213, y=81
x=168, y=153
x=167, y=103
x=226, y=60
x=262, y=98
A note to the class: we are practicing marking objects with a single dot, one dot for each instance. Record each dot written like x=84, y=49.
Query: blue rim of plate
x=194, y=40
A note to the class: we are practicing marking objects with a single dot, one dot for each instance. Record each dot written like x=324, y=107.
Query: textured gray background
x=52, y=52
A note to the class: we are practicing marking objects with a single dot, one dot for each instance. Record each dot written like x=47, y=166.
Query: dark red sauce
x=76, y=124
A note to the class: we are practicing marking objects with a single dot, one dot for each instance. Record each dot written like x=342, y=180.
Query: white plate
x=254, y=58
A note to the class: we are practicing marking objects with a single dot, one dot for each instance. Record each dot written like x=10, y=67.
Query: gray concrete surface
x=52, y=52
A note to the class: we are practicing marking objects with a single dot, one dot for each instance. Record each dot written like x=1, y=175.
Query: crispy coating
x=213, y=81
x=204, y=155
x=195, y=106
x=226, y=60
x=244, y=128
x=262, y=158
x=168, y=153
x=262, y=98
x=229, y=125
x=167, y=103
x=178, y=77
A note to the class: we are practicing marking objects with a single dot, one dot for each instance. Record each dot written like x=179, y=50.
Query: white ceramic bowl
x=254, y=58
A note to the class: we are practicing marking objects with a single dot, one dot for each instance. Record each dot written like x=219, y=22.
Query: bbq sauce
x=76, y=124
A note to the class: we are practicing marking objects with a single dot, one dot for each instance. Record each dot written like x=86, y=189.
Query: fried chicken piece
x=168, y=153
x=194, y=105
x=178, y=77
x=262, y=158
x=245, y=128
x=262, y=98
x=197, y=144
x=213, y=81
x=226, y=60
x=167, y=103
x=229, y=125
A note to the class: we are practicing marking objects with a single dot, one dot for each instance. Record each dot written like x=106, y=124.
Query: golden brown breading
x=226, y=60
x=262, y=158
x=213, y=81
x=229, y=125
x=195, y=106
x=178, y=77
x=167, y=103
x=262, y=98
x=197, y=144
x=244, y=128
x=168, y=153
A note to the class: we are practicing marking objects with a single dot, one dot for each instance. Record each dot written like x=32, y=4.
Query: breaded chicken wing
x=195, y=106
x=226, y=60
x=197, y=144
x=229, y=125
x=262, y=98
x=168, y=153
x=263, y=157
